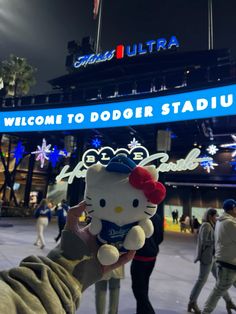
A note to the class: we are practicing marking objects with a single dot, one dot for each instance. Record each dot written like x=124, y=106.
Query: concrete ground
x=171, y=280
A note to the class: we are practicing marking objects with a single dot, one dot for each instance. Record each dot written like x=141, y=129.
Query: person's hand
x=72, y=224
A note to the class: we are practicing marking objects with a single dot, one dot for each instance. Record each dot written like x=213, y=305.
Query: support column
x=75, y=191
x=187, y=201
x=29, y=180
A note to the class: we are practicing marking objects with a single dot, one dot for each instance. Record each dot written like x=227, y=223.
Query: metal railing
x=190, y=77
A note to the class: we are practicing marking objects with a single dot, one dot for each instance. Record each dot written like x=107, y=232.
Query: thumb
x=123, y=259
x=72, y=217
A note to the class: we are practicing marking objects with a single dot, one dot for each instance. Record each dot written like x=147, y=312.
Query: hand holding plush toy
x=121, y=198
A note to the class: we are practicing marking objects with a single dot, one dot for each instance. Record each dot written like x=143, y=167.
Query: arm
x=147, y=226
x=205, y=235
x=231, y=230
x=49, y=215
x=54, y=284
x=158, y=225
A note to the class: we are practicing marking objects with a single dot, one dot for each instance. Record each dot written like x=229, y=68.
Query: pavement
x=171, y=281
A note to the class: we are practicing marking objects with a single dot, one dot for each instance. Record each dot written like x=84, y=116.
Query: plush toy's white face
x=109, y=196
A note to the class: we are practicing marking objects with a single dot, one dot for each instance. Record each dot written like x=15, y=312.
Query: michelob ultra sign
x=121, y=51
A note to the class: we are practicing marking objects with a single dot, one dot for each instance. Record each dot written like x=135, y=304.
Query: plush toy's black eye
x=135, y=203
x=102, y=202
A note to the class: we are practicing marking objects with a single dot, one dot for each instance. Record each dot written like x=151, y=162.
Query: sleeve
x=53, y=284
x=49, y=215
x=158, y=229
x=231, y=230
x=205, y=235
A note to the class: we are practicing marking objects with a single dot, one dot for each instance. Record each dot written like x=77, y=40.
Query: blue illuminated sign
x=213, y=102
x=122, y=51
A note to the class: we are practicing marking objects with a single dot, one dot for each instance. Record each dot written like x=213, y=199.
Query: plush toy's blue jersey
x=113, y=234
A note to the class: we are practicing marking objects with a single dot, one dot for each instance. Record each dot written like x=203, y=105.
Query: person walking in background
x=111, y=281
x=143, y=265
x=225, y=253
x=196, y=226
x=191, y=223
x=187, y=224
x=43, y=215
x=61, y=214
x=173, y=216
x=176, y=216
x=182, y=223
x=205, y=255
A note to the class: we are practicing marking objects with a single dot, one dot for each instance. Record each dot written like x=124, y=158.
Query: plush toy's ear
x=93, y=174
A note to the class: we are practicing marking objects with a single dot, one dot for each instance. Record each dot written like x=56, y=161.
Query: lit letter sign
x=103, y=156
x=207, y=103
x=129, y=51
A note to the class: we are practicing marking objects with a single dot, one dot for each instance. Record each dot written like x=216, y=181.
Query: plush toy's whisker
x=91, y=211
x=148, y=213
x=148, y=206
x=88, y=204
x=89, y=198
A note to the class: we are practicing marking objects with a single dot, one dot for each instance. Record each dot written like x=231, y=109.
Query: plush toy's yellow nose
x=118, y=209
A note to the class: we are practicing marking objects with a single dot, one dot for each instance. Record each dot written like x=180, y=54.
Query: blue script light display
x=122, y=51
x=206, y=103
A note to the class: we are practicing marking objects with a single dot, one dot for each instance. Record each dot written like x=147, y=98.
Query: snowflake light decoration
x=231, y=145
x=42, y=152
x=18, y=152
x=96, y=142
x=64, y=153
x=55, y=155
x=212, y=149
x=208, y=165
x=134, y=143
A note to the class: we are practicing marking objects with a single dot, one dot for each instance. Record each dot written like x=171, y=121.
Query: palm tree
x=17, y=75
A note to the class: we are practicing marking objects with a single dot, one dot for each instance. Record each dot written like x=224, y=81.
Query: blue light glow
x=205, y=163
x=96, y=142
x=207, y=103
x=56, y=155
x=233, y=164
x=18, y=152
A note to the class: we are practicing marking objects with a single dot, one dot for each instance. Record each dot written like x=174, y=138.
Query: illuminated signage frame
x=207, y=103
x=189, y=163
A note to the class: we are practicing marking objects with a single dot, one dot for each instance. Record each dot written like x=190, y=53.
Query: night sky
x=40, y=29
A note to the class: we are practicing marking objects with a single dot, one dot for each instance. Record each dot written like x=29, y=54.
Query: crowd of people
x=189, y=224
x=185, y=222
x=216, y=254
x=207, y=262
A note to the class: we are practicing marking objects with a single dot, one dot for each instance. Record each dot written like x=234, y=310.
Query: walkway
x=171, y=281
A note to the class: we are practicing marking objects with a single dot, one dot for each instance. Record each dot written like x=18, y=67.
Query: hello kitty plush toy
x=121, y=198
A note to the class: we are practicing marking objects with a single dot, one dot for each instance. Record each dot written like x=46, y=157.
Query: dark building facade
x=154, y=78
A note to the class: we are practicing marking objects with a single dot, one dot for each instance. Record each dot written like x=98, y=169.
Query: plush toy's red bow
x=141, y=179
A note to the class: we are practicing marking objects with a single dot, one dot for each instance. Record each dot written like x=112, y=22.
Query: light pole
x=99, y=28
x=210, y=26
